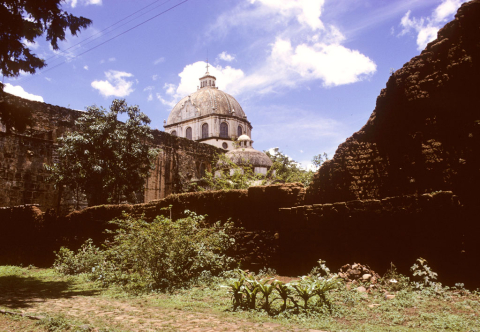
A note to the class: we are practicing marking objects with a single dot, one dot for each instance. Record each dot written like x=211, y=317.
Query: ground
x=57, y=303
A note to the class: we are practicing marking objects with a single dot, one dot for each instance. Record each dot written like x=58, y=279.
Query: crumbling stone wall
x=424, y=134
x=438, y=227
x=178, y=165
x=22, y=157
x=255, y=210
x=22, y=175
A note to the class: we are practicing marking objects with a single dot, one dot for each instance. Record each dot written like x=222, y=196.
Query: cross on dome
x=207, y=80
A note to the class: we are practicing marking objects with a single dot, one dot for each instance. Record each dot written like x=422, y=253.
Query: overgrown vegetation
x=230, y=176
x=344, y=307
x=104, y=158
x=161, y=255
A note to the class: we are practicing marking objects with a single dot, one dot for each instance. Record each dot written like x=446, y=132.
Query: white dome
x=244, y=138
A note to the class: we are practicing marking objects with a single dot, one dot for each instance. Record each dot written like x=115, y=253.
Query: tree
x=26, y=20
x=288, y=170
x=23, y=21
x=106, y=159
x=319, y=159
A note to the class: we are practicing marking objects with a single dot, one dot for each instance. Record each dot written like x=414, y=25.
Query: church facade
x=209, y=115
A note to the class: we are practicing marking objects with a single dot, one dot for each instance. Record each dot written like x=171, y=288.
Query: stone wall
x=22, y=157
x=178, y=165
x=424, y=134
x=438, y=227
x=280, y=231
x=22, y=175
x=28, y=235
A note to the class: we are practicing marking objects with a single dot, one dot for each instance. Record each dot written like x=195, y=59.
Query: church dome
x=206, y=101
x=245, y=154
x=249, y=156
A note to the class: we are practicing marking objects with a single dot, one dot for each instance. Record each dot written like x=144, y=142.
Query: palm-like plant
x=305, y=289
x=285, y=292
x=266, y=287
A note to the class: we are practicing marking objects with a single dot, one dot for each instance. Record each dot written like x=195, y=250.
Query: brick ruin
x=404, y=186
x=424, y=134
x=24, y=179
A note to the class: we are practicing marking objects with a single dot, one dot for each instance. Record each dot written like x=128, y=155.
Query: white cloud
x=150, y=94
x=307, y=12
x=111, y=59
x=427, y=27
x=30, y=45
x=159, y=60
x=226, y=57
x=73, y=3
x=287, y=66
x=297, y=48
x=116, y=84
x=48, y=79
x=17, y=90
x=85, y=67
x=154, y=77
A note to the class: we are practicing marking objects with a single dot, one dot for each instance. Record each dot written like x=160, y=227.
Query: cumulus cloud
x=85, y=67
x=307, y=12
x=226, y=57
x=116, y=84
x=298, y=49
x=426, y=28
x=17, y=90
x=74, y=3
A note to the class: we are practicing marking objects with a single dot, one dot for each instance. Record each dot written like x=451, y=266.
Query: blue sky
x=306, y=72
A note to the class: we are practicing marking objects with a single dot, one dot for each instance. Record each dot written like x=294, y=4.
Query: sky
x=306, y=72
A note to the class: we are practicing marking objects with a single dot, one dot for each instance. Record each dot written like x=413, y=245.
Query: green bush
x=160, y=255
x=84, y=261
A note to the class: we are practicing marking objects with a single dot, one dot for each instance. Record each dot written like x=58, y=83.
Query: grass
x=75, y=304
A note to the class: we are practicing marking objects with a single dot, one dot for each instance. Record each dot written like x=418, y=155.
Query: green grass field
x=61, y=303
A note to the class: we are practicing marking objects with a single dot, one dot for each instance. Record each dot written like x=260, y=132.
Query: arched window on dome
x=205, y=130
x=239, y=131
x=188, y=133
x=224, y=130
x=174, y=133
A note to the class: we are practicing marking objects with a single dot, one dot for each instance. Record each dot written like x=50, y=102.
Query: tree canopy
x=288, y=170
x=106, y=159
x=25, y=20
x=22, y=21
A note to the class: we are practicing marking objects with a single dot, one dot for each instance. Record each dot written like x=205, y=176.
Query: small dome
x=249, y=156
x=244, y=138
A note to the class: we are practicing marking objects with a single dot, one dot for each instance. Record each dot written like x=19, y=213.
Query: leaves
x=29, y=19
x=106, y=159
x=288, y=170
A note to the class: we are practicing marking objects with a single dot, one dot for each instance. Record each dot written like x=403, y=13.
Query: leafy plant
x=227, y=175
x=393, y=281
x=247, y=286
x=286, y=169
x=105, y=159
x=425, y=273
x=84, y=261
x=160, y=255
x=236, y=287
x=266, y=287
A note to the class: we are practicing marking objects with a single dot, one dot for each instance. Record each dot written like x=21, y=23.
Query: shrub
x=160, y=255
x=87, y=258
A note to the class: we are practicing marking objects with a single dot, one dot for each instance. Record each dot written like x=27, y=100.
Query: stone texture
x=424, y=134
x=25, y=181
